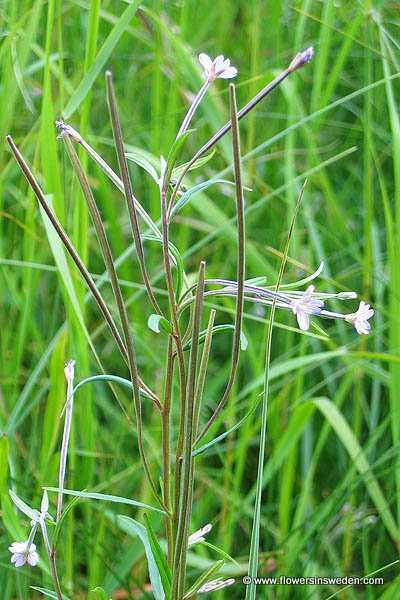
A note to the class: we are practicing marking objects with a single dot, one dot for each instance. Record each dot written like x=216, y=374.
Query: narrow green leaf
x=133, y=528
x=177, y=171
x=27, y=510
x=203, y=579
x=139, y=160
x=126, y=383
x=104, y=498
x=200, y=187
x=104, y=53
x=225, y=555
x=61, y=521
x=48, y=593
x=172, y=157
x=159, y=557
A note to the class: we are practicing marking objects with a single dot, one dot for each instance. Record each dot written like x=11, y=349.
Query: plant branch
x=108, y=261
x=299, y=61
x=241, y=258
x=130, y=198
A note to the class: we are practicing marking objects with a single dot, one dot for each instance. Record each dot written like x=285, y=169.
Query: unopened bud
x=301, y=59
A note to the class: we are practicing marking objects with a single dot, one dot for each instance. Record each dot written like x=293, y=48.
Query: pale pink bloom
x=216, y=584
x=305, y=306
x=218, y=67
x=21, y=554
x=360, y=318
x=197, y=536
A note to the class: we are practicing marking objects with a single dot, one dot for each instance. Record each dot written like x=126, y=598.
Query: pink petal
x=229, y=73
x=303, y=320
x=218, y=62
x=205, y=61
x=17, y=547
x=19, y=561
x=225, y=65
x=33, y=558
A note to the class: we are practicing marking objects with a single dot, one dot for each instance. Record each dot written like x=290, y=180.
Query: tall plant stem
x=187, y=477
x=166, y=444
x=178, y=344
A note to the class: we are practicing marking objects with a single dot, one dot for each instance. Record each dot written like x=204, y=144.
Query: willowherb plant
x=187, y=348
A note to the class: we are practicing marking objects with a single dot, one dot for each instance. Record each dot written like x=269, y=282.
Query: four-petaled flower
x=219, y=67
x=305, y=306
x=216, y=584
x=360, y=318
x=22, y=553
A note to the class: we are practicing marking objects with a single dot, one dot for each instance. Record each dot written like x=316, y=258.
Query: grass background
x=331, y=504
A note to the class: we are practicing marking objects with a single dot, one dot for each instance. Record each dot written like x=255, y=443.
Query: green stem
x=203, y=370
x=166, y=444
x=187, y=477
x=179, y=351
x=52, y=558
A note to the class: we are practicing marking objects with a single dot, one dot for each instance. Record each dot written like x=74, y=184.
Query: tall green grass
x=331, y=498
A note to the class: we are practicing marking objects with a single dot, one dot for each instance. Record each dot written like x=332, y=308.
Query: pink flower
x=305, y=306
x=22, y=553
x=360, y=318
x=219, y=67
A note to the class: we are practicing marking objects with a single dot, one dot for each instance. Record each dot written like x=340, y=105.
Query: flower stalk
x=296, y=64
x=69, y=372
x=218, y=68
x=187, y=473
